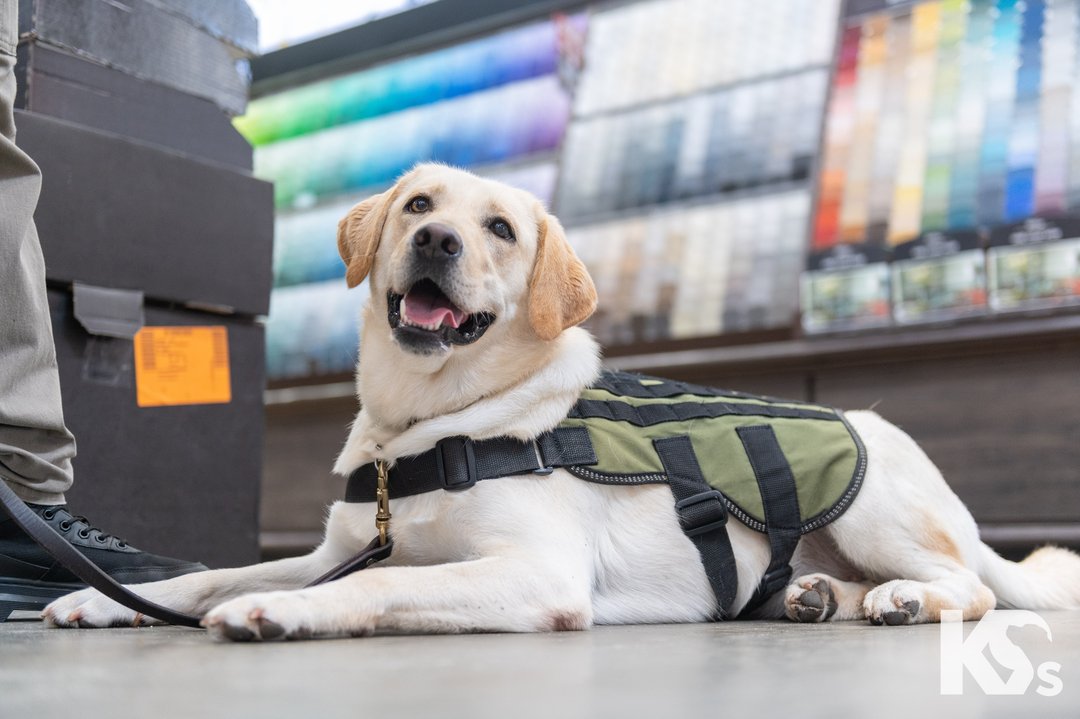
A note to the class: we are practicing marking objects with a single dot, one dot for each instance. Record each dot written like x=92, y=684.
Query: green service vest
x=624, y=413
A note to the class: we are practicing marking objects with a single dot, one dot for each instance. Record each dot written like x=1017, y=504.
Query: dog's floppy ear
x=561, y=293
x=359, y=233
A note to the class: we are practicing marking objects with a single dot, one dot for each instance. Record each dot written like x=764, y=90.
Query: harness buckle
x=702, y=512
x=454, y=473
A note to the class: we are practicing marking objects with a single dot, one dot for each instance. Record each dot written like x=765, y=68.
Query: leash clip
x=382, y=500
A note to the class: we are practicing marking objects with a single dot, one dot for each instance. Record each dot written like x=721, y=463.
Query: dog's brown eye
x=500, y=228
x=418, y=204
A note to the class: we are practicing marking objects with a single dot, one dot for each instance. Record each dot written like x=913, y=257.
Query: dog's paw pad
x=893, y=604
x=237, y=634
x=268, y=629
x=811, y=600
x=904, y=615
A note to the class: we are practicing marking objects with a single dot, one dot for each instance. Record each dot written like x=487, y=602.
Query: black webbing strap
x=783, y=519
x=702, y=516
x=457, y=463
x=647, y=415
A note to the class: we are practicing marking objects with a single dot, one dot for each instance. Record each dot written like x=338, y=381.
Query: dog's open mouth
x=424, y=317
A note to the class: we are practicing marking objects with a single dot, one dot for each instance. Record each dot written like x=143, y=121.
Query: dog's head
x=454, y=258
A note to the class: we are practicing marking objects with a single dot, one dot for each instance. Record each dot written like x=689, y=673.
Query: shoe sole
x=20, y=595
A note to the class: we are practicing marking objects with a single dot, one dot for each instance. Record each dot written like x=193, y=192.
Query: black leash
x=92, y=575
x=373, y=552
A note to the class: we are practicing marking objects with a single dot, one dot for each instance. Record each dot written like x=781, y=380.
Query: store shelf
x=992, y=335
x=699, y=283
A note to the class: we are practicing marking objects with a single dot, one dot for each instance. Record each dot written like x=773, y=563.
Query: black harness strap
x=646, y=415
x=783, y=520
x=458, y=463
x=702, y=516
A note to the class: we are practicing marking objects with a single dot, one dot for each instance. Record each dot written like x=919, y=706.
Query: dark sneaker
x=30, y=578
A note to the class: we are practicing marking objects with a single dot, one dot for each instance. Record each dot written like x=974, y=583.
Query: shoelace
x=86, y=531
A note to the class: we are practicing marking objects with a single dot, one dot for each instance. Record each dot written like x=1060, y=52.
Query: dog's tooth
x=430, y=326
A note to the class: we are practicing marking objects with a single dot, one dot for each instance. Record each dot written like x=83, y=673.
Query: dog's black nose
x=437, y=241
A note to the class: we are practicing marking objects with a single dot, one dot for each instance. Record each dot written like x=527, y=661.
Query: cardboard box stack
x=158, y=247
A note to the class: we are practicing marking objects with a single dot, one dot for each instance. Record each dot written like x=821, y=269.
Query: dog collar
x=457, y=463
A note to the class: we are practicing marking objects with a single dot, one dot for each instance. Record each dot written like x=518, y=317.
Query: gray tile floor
x=757, y=670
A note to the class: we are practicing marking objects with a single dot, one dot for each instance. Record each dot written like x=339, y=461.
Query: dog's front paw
x=810, y=599
x=897, y=602
x=267, y=617
x=91, y=608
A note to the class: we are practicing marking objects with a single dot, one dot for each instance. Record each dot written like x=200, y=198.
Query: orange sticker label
x=182, y=365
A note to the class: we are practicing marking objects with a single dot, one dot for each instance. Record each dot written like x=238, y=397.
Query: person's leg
x=35, y=446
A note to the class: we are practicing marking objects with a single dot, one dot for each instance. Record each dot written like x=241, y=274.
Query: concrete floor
x=751, y=669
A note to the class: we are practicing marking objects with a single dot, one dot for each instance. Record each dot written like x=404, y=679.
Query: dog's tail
x=1048, y=578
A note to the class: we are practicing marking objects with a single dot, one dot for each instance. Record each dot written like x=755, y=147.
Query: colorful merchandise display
x=312, y=329
x=489, y=127
x=949, y=126
x=684, y=176
x=718, y=142
x=698, y=45
x=697, y=271
x=507, y=57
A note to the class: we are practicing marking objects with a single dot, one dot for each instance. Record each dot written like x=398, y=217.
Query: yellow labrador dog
x=471, y=330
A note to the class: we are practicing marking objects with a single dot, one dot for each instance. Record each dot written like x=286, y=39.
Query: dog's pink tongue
x=427, y=310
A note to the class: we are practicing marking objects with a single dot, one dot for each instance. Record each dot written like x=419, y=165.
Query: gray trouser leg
x=35, y=446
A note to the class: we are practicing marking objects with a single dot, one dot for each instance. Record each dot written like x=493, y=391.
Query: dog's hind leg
x=908, y=531
x=820, y=598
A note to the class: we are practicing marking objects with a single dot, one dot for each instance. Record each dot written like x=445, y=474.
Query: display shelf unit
x=948, y=188
x=686, y=172
x=993, y=399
